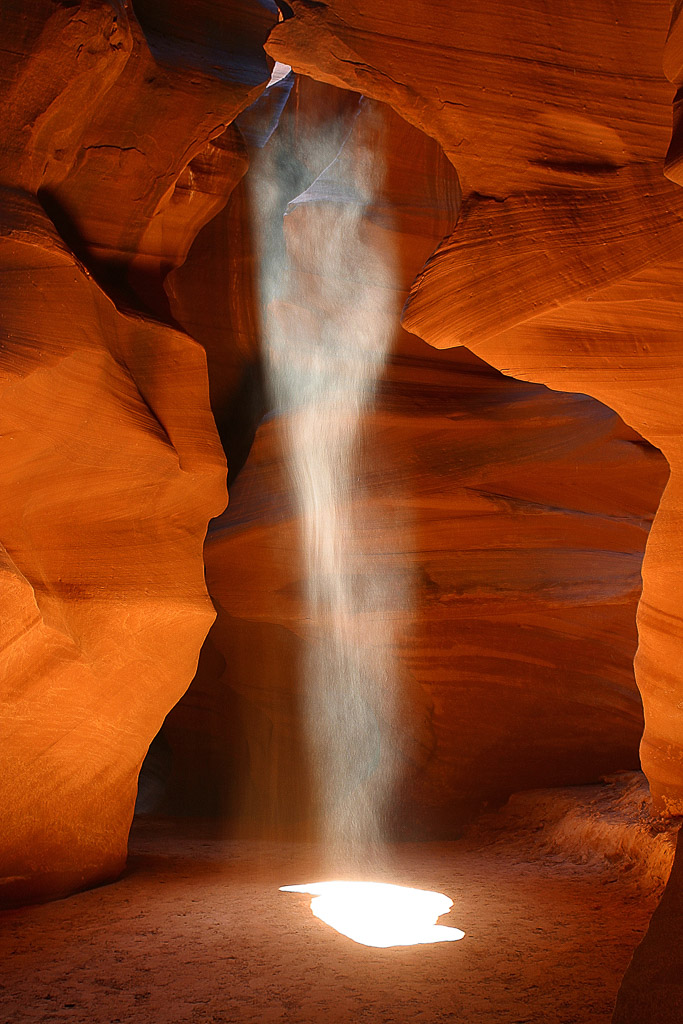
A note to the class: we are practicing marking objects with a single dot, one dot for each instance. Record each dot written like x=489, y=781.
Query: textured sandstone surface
x=523, y=98
x=518, y=515
x=673, y=68
x=110, y=470
x=513, y=519
x=116, y=120
x=564, y=267
x=122, y=125
x=514, y=665
x=652, y=989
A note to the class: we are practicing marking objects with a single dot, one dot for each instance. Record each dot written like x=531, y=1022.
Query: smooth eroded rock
x=111, y=469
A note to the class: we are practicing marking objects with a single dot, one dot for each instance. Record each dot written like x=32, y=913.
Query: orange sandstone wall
x=513, y=518
x=565, y=266
x=110, y=470
x=119, y=149
x=115, y=150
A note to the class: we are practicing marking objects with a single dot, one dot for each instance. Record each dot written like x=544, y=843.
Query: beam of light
x=279, y=72
x=379, y=914
x=329, y=315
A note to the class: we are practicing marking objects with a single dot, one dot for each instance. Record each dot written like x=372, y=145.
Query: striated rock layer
x=513, y=519
x=116, y=120
x=565, y=265
x=122, y=126
x=110, y=469
x=515, y=663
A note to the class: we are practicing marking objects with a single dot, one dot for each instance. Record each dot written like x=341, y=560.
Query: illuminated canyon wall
x=511, y=518
x=563, y=268
x=116, y=149
x=531, y=222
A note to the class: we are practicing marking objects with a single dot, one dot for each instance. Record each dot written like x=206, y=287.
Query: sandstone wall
x=511, y=518
x=564, y=267
x=115, y=151
x=518, y=514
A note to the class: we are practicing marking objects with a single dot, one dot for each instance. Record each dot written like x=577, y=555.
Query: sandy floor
x=197, y=932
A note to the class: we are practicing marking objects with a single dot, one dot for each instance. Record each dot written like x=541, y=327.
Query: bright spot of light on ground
x=379, y=914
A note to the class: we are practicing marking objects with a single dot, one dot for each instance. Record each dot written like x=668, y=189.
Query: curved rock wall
x=110, y=470
x=517, y=514
x=564, y=268
x=111, y=464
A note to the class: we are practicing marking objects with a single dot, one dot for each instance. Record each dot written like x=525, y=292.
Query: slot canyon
x=341, y=352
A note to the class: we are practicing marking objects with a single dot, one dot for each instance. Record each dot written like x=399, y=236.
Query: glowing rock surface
x=594, y=319
x=379, y=914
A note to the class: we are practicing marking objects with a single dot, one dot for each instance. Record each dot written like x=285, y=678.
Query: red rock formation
x=504, y=533
x=110, y=470
x=564, y=268
x=118, y=117
x=522, y=98
x=111, y=464
x=673, y=68
x=651, y=992
x=122, y=127
x=520, y=516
